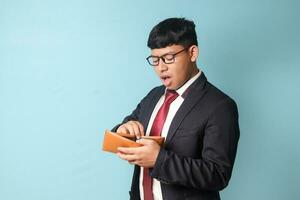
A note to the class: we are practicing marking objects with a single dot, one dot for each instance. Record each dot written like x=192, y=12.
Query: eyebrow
x=171, y=52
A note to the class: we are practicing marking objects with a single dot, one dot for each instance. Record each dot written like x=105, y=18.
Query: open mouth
x=166, y=80
x=164, y=77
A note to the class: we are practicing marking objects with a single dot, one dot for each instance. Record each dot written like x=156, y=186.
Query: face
x=174, y=75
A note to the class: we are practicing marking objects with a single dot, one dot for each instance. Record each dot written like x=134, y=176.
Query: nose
x=162, y=66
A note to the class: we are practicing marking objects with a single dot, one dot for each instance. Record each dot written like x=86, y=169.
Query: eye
x=168, y=57
x=155, y=59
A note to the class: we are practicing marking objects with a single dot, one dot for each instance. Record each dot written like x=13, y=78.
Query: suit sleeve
x=213, y=170
x=133, y=116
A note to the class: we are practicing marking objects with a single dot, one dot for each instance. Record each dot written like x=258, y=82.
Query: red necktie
x=156, y=129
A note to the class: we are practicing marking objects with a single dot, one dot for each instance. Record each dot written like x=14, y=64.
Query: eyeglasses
x=167, y=58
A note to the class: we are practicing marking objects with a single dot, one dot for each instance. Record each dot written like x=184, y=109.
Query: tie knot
x=171, y=91
x=171, y=95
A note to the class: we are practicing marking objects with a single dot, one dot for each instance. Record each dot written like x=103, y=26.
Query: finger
x=146, y=142
x=130, y=128
x=122, y=156
x=141, y=127
x=135, y=128
x=122, y=129
x=136, y=162
x=129, y=158
x=141, y=130
x=127, y=150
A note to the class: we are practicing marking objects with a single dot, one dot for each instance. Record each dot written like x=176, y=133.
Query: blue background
x=71, y=69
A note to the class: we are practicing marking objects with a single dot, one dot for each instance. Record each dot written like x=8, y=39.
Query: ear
x=194, y=52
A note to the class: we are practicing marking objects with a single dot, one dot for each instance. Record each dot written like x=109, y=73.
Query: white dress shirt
x=156, y=189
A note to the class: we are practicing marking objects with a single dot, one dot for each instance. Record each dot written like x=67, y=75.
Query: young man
x=199, y=121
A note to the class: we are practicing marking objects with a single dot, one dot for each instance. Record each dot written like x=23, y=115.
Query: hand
x=133, y=128
x=144, y=156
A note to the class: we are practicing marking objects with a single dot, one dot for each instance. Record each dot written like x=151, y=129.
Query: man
x=199, y=121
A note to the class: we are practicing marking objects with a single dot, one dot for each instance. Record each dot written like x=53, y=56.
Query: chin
x=171, y=88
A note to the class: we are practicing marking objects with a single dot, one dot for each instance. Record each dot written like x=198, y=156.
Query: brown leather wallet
x=113, y=140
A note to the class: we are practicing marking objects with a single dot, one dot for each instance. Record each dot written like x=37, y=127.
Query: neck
x=194, y=71
x=192, y=74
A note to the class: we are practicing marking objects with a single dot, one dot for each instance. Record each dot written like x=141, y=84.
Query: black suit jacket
x=199, y=152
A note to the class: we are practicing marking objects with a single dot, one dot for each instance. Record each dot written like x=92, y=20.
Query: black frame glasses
x=166, y=58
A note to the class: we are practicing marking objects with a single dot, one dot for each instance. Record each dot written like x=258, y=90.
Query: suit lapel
x=195, y=93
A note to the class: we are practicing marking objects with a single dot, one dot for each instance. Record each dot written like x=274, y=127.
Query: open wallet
x=113, y=140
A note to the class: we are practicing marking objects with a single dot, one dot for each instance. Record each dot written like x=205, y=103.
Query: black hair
x=172, y=31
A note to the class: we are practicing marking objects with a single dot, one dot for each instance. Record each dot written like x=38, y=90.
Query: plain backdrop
x=71, y=69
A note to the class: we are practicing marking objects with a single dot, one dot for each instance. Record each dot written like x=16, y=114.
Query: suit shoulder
x=155, y=90
x=217, y=96
x=153, y=93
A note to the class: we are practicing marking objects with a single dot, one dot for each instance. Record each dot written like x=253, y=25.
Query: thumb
x=145, y=141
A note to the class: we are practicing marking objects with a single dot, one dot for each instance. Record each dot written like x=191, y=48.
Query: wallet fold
x=112, y=141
